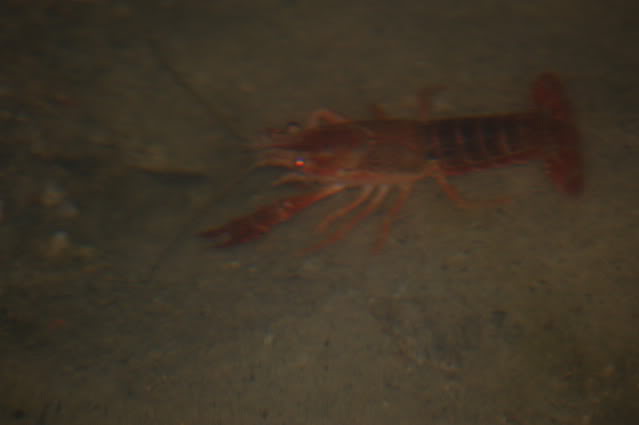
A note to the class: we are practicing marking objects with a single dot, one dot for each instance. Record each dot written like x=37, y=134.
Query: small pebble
x=269, y=338
x=608, y=371
x=52, y=195
x=66, y=209
x=57, y=245
x=232, y=265
x=247, y=87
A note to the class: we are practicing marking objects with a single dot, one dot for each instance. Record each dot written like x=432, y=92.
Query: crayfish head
x=321, y=152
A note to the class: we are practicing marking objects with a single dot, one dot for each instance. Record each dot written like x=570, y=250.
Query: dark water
x=125, y=130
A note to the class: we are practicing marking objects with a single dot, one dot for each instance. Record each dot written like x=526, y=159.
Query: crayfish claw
x=254, y=225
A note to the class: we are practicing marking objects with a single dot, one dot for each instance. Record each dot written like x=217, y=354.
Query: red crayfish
x=383, y=154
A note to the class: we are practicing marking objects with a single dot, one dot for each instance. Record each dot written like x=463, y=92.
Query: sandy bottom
x=124, y=130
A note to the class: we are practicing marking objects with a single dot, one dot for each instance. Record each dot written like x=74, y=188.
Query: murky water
x=126, y=128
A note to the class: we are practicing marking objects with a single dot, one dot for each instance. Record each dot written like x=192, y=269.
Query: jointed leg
x=454, y=194
x=347, y=227
x=404, y=194
x=296, y=178
x=364, y=195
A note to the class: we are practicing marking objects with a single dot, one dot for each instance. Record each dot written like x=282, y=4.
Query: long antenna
x=222, y=120
x=215, y=112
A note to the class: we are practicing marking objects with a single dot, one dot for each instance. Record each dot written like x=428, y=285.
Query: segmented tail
x=564, y=157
